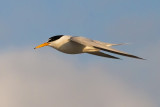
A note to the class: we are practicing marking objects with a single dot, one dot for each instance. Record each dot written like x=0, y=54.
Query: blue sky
x=32, y=21
x=25, y=24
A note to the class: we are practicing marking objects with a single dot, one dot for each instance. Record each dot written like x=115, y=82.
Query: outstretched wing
x=100, y=45
x=98, y=53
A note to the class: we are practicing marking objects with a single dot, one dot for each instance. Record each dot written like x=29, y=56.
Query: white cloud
x=36, y=79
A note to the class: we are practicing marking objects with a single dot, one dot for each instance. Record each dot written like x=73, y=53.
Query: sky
x=46, y=77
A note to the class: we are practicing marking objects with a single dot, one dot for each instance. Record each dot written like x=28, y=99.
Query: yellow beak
x=42, y=45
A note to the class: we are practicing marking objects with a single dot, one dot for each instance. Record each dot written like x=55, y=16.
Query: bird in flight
x=77, y=44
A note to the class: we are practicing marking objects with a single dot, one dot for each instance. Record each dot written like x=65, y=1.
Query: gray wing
x=100, y=45
x=98, y=53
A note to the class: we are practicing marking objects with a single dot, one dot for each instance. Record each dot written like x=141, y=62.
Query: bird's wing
x=98, y=53
x=100, y=45
x=108, y=44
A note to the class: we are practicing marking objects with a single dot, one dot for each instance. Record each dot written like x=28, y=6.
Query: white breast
x=65, y=45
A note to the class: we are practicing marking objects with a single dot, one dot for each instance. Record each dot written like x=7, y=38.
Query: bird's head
x=50, y=41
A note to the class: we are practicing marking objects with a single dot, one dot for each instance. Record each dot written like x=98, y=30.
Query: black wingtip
x=142, y=59
x=116, y=58
x=139, y=58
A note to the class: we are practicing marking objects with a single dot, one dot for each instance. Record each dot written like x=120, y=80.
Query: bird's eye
x=49, y=40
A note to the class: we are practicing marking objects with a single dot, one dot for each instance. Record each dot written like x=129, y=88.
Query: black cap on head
x=53, y=38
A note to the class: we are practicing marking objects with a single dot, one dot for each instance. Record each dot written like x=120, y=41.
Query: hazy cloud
x=30, y=79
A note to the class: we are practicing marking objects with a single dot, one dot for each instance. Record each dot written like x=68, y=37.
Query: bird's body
x=76, y=45
x=66, y=46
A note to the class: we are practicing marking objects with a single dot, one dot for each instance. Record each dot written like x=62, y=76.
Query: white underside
x=75, y=48
x=66, y=46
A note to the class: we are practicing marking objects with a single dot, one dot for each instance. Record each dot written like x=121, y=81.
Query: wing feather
x=100, y=45
x=98, y=53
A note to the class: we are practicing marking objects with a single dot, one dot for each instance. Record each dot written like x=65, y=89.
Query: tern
x=77, y=45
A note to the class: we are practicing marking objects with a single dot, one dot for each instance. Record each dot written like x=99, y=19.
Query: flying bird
x=77, y=44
